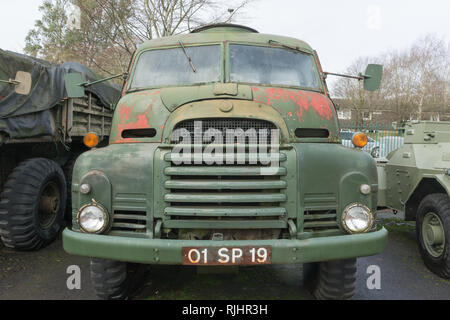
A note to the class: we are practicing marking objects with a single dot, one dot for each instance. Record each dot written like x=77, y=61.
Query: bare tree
x=111, y=29
x=353, y=93
x=429, y=60
x=415, y=81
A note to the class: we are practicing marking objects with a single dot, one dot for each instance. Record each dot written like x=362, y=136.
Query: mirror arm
x=11, y=81
x=87, y=84
x=359, y=77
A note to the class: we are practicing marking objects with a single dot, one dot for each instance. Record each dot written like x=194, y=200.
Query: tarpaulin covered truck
x=41, y=135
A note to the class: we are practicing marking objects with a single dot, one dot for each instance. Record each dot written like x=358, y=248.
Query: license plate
x=219, y=256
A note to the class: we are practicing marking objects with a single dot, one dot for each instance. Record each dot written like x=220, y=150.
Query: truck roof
x=224, y=32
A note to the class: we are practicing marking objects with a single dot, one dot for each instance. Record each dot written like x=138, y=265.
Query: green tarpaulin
x=28, y=116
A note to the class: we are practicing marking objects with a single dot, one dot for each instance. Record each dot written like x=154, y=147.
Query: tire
x=433, y=215
x=110, y=279
x=331, y=280
x=32, y=205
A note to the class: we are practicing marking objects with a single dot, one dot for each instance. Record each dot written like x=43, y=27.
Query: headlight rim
x=369, y=225
x=102, y=209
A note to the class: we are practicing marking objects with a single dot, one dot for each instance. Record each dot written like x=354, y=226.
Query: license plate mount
x=223, y=256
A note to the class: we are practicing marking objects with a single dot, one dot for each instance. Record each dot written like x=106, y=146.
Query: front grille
x=246, y=131
x=225, y=197
x=132, y=221
x=322, y=220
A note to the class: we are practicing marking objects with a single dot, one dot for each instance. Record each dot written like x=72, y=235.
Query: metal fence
x=383, y=137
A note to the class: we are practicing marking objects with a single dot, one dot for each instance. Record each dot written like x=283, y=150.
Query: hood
x=298, y=108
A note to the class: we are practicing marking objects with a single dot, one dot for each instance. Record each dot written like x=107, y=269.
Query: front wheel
x=331, y=280
x=433, y=233
x=116, y=280
x=32, y=204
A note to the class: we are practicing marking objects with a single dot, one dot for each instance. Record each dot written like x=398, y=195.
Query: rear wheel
x=331, y=280
x=433, y=233
x=32, y=204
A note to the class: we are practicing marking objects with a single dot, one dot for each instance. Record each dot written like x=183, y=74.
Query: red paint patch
x=321, y=106
x=140, y=123
x=304, y=100
x=164, y=125
x=142, y=118
x=124, y=112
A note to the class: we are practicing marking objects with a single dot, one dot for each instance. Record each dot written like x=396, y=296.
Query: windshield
x=273, y=66
x=171, y=67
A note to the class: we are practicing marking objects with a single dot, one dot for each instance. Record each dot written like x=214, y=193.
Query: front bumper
x=169, y=252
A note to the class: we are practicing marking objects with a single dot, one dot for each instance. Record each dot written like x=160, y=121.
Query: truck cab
x=225, y=149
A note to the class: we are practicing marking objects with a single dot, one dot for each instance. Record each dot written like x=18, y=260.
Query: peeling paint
x=124, y=112
x=304, y=100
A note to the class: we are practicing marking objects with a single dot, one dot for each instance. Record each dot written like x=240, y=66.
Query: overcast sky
x=340, y=30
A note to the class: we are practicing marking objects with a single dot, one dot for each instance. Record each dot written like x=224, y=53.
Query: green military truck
x=41, y=134
x=415, y=179
x=284, y=191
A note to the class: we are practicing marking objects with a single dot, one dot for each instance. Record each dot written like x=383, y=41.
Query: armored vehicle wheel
x=433, y=233
x=331, y=280
x=111, y=279
x=32, y=204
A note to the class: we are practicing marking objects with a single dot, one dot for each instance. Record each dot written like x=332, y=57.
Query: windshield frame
x=268, y=45
x=225, y=66
x=178, y=46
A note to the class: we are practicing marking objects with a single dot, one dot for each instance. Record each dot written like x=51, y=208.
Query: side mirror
x=22, y=82
x=372, y=77
x=74, y=85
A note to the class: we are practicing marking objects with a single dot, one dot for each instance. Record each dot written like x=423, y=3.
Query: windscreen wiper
x=273, y=42
x=187, y=56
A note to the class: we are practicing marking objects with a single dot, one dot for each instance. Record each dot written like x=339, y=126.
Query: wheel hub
x=49, y=204
x=433, y=234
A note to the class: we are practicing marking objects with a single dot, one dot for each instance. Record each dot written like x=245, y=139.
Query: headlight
x=357, y=218
x=92, y=218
